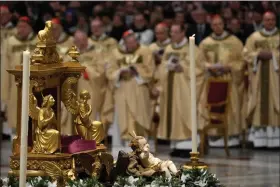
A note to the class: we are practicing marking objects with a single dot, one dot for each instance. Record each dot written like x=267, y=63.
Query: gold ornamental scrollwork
x=69, y=96
x=14, y=164
x=65, y=164
x=33, y=165
x=54, y=171
x=33, y=108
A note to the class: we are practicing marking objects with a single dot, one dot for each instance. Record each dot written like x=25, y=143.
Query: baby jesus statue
x=141, y=148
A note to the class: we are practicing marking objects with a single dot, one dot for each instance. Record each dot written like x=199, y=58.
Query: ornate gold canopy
x=48, y=74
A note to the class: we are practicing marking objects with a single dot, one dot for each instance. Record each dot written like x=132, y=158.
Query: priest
x=130, y=74
x=162, y=40
x=23, y=39
x=158, y=47
x=7, y=27
x=103, y=46
x=94, y=78
x=222, y=52
x=261, y=52
x=64, y=41
x=101, y=42
x=174, y=87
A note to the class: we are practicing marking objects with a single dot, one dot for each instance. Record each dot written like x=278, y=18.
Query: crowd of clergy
x=129, y=81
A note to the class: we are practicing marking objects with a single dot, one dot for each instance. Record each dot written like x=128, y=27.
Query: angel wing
x=69, y=97
x=33, y=103
x=52, y=170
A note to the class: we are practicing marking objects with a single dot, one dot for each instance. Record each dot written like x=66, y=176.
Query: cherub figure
x=141, y=148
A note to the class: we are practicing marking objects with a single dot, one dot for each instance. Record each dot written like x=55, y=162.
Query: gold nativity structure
x=53, y=81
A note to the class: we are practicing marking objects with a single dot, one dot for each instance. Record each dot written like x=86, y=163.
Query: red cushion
x=217, y=92
x=81, y=145
x=66, y=141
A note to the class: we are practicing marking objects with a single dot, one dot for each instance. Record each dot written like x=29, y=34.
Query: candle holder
x=194, y=162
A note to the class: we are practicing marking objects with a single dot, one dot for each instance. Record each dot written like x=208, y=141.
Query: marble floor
x=244, y=168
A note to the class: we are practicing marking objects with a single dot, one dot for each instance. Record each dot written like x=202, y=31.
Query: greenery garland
x=89, y=182
x=188, y=178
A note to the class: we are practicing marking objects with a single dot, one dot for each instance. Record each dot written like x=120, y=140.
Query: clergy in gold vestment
x=223, y=50
x=174, y=87
x=7, y=29
x=162, y=40
x=101, y=42
x=261, y=52
x=64, y=42
x=94, y=78
x=103, y=47
x=158, y=47
x=130, y=74
x=14, y=46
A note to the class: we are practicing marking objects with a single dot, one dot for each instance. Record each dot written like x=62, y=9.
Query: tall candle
x=193, y=93
x=24, y=118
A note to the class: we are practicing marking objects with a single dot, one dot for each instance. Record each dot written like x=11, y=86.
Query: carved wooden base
x=62, y=166
x=57, y=166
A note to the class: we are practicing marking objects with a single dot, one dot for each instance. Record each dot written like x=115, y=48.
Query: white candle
x=24, y=118
x=193, y=93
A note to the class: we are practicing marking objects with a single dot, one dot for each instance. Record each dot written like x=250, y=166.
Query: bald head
x=81, y=40
x=131, y=43
x=269, y=21
x=161, y=32
x=217, y=25
x=97, y=28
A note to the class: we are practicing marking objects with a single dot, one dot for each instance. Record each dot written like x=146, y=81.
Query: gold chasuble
x=263, y=105
x=225, y=50
x=131, y=91
x=174, y=87
x=158, y=49
x=12, y=56
x=103, y=43
x=7, y=31
x=64, y=43
x=103, y=47
x=93, y=80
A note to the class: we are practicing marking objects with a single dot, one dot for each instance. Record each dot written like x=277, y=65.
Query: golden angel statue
x=47, y=137
x=148, y=161
x=85, y=127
